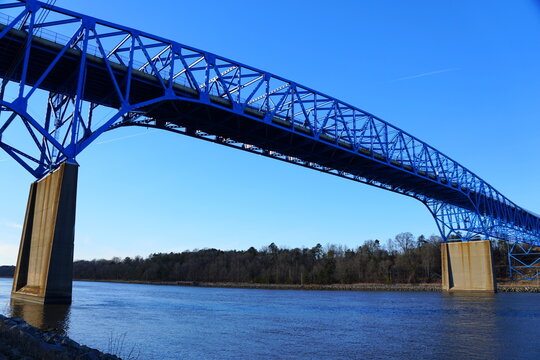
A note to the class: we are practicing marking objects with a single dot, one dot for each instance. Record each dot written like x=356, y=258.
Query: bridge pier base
x=467, y=266
x=44, y=272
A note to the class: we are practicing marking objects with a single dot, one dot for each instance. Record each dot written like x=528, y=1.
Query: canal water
x=167, y=322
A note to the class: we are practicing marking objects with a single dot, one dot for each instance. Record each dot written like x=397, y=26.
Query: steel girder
x=524, y=262
x=93, y=69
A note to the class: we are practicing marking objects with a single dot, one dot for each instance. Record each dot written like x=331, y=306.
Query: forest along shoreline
x=405, y=263
x=399, y=262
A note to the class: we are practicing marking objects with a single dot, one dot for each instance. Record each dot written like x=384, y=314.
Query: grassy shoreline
x=502, y=286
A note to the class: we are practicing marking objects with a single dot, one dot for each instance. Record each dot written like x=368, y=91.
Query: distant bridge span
x=89, y=66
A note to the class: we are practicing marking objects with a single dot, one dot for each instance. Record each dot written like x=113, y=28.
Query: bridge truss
x=89, y=76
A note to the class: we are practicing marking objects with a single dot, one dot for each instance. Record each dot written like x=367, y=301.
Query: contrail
x=425, y=74
x=120, y=138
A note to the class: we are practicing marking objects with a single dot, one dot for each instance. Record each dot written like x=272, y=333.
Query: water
x=166, y=322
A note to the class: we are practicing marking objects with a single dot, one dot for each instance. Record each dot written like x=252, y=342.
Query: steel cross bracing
x=524, y=262
x=99, y=76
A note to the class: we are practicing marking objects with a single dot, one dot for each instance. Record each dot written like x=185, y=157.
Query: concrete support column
x=467, y=266
x=44, y=270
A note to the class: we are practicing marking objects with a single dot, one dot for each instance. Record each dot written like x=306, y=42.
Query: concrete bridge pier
x=467, y=266
x=44, y=272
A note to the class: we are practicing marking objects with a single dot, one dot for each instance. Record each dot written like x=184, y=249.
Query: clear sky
x=463, y=76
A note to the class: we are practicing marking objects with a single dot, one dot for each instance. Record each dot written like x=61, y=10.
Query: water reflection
x=45, y=317
x=470, y=319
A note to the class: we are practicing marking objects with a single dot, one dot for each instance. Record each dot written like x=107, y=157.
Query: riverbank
x=19, y=340
x=502, y=286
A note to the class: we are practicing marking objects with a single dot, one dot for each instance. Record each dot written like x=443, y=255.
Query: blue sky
x=462, y=76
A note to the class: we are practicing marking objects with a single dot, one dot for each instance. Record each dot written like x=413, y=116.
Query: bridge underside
x=215, y=117
x=200, y=111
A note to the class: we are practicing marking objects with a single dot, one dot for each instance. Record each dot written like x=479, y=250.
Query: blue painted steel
x=524, y=262
x=87, y=64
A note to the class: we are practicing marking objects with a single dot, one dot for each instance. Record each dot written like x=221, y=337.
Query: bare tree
x=405, y=242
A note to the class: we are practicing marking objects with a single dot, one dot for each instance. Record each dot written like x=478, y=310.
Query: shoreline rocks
x=20, y=340
x=435, y=287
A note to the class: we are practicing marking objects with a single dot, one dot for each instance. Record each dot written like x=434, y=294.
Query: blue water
x=167, y=322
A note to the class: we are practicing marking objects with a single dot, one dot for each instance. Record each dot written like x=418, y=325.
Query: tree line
x=404, y=259
x=7, y=271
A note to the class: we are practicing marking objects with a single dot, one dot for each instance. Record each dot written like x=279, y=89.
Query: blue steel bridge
x=77, y=69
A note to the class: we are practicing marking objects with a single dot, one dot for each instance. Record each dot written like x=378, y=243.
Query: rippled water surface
x=167, y=322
